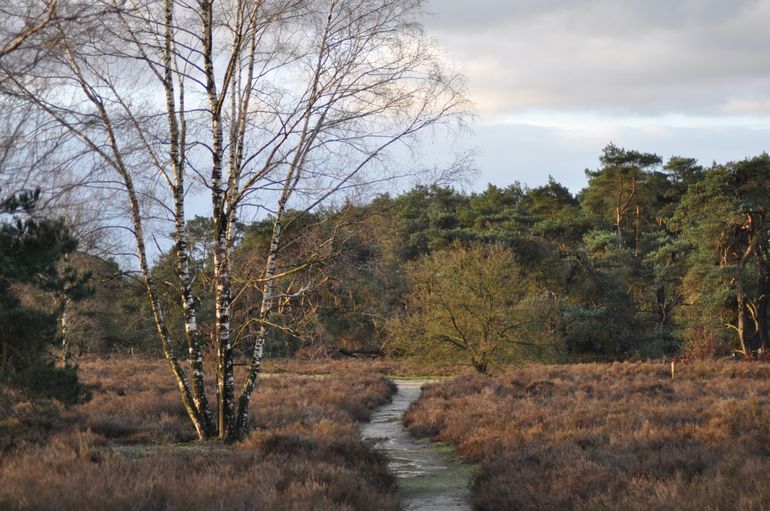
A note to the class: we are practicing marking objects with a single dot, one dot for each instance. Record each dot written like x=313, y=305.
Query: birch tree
x=261, y=104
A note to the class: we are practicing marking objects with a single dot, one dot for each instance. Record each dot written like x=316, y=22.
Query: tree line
x=650, y=259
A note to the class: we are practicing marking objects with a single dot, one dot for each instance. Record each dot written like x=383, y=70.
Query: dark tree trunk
x=660, y=297
x=741, y=325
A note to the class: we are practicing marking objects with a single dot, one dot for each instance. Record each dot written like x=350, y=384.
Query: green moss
x=457, y=476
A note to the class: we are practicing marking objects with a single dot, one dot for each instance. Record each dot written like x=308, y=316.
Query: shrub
x=702, y=342
x=44, y=379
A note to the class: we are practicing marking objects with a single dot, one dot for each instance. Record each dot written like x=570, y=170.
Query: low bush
x=46, y=380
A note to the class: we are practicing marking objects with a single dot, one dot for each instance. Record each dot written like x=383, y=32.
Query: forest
x=649, y=260
x=226, y=282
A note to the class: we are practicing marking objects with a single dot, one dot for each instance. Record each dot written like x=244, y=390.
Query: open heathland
x=128, y=447
x=623, y=436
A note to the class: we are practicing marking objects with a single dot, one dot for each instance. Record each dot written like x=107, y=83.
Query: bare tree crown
x=259, y=104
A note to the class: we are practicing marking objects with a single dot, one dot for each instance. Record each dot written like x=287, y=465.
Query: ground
x=574, y=437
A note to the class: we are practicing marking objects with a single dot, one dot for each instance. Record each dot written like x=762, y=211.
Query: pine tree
x=30, y=252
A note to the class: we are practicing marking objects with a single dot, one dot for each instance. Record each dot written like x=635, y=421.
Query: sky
x=555, y=81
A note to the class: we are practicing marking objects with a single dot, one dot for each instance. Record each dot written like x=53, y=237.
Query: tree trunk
x=63, y=331
x=741, y=326
x=222, y=292
x=763, y=290
x=192, y=333
x=160, y=321
x=306, y=139
x=480, y=365
x=638, y=237
x=660, y=297
x=265, y=308
x=762, y=333
x=177, y=135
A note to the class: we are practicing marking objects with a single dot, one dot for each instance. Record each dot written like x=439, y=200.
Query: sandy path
x=430, y=480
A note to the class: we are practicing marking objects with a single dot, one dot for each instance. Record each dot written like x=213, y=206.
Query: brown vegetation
x=621, y=436
x=406, y=367
x=122, y=449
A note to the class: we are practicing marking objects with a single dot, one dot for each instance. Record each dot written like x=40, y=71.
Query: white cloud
x=618, y=57
x=556, y=80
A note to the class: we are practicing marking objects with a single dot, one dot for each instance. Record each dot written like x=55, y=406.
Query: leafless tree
x=24, y=20
x=263, y=104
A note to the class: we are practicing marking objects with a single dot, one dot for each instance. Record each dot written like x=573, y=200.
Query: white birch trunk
x=177, y=150
x=222, y=292
x=64, y=331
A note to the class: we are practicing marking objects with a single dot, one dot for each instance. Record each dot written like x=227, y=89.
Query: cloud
x=616, y=57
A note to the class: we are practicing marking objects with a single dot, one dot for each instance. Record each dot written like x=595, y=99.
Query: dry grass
x=121, y=449
x=406, y=367
x=621, y=436
x=25, y=419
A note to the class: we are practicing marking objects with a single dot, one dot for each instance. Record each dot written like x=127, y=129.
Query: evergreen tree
x=30, y=252
x=725, y=218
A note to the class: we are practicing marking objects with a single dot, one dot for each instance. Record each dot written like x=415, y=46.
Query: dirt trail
x=430, y=480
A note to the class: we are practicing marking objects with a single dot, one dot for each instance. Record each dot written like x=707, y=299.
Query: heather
x=129, y=447
x=608, y=436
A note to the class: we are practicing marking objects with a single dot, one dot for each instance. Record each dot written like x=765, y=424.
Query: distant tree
x=474, y=305
x=600, y=312
x=681, y=173
x=93, y=322
x=494, y=211
x=544, y=201
x=552, y=213
x=67, y=286
x=618, y=191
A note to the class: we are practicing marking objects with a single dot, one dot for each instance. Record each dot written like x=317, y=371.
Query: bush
x=46, y=380
x=476, y=306
x=702, y=342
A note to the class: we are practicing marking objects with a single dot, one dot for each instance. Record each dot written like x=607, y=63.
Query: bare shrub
x=702, y=342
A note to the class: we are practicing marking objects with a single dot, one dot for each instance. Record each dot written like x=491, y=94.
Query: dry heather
x=406, y=367
x=123, y=449
x=621, y=436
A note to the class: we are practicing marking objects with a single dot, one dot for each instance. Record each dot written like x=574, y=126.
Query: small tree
x=30, y=252
x=474, y=305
